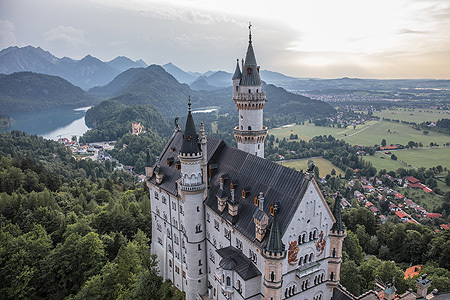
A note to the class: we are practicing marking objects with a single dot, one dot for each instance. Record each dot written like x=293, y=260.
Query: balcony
x=249, y=96
x=192, y=188
x=250, y=132
x=307, y=269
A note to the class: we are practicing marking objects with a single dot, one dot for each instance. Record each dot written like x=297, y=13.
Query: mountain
x=152, y=85
x=275, y=77
x=123, y=63
x=27, y=91
x=85, y=73
x=201, y=84
x=214, y=81
x=180, y=75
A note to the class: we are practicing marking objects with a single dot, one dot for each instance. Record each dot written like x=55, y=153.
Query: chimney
x=422, y=284
x=261, y=201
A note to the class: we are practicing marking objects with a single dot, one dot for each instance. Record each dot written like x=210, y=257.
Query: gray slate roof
x=233, y=259
x=278, y=183
x=250, y=72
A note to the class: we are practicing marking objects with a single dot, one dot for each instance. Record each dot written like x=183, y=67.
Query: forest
x=72, y=229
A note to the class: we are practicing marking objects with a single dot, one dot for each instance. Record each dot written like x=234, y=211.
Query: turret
x=148, y=165
x=337, y=236
x=250, y=101
x=274, y=253
x=192, y=188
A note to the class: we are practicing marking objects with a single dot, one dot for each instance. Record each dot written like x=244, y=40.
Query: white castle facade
x=228, y=224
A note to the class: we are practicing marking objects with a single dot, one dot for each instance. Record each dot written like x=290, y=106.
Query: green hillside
x=27, y=91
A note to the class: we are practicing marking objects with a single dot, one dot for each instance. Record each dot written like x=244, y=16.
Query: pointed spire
x=250, y=71
x=237, y=72
x=190, y=142
x=275, y=245
x=249, y=32
x=338, y=226
x=148, y=161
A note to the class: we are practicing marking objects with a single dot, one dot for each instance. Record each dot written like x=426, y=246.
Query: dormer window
x=256, y=201
x=271, y=209
x=188, y=138
x=249, y=70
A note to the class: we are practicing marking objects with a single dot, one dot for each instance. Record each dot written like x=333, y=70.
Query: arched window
x=249, y=91
x=228, y=281
x=272, y=276
x=332, y=276
x=310, y=257
x=249, y=127
x=242, y=127
x=310, y=236
x=334, y=252
x=306, y=258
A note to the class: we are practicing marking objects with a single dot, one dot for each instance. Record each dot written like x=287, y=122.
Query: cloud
x=409, y=31
x=193, y=40
x=7, y=37
x=65, y=37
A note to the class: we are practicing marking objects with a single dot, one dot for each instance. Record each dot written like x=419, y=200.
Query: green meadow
x=368, y=134
x=324, y=165
x=412, y=115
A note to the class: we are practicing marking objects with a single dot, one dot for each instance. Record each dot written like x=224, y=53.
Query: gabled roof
x=274, y=244
x=412, y=179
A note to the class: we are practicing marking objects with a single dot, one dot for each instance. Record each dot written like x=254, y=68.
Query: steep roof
x=190, y=140
x=237, y=72
x=148, y=160
x=278, y=183
x=274, y=244
x=250, y=71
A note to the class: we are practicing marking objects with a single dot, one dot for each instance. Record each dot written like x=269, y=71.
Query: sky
x=301, y=38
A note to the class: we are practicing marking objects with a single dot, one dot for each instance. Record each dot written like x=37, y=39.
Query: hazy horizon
x=322, y=39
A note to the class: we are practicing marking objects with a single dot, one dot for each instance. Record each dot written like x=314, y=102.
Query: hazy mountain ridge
x=27, y=91
x=85, y=73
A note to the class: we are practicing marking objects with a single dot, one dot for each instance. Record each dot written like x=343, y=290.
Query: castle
x=228, y=224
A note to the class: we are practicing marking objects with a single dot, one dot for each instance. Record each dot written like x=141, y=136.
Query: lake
x=51, y=124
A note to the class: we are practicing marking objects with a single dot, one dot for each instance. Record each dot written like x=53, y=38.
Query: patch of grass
x=425, y=157
x=367, y=134
x=429, y=201
x=324, y=165
x=412, y=115
x=386, y=163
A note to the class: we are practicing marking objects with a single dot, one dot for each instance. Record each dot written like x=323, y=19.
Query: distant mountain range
x=27, y=91
x=85, y=73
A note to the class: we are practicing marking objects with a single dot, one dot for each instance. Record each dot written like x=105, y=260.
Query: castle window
x=170, y=263
x=256, y=202
x=249, y=127
x=188, y=138
x=198, y=228
x=249, y=70
x=181, y=209
x=200, y=272
x=199, y=262
x=158, y=226
x=237, y=88
x=160, y=241
x=198, y=208
x=216, y=225
x=242, y=127
x=238, y=244
x=227, y=233
x=334, y=252
x=271, y=207
x=239, y=286
x=272, y=276
x=163, y=199
x=174, y=206
x=249, y=91
x=228, y=281
x=156, y=195
x=199, y=247
x=177, y=269
x=170, y=248
x=207, y=217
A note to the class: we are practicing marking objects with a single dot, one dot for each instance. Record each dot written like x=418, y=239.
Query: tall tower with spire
x=336, y=236
x=250, y=101
x=273, y=254
x=192, y=189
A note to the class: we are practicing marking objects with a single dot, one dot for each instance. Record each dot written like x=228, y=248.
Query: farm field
x=423, y=157
x=324, y=165
x=427, y=158
x=387, y=163
x=412, y=115
x=368, y=134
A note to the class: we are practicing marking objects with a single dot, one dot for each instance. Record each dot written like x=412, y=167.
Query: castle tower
x=191, y=188
x=250, y=101
x=148, y=165
x=273, y=255
x=337, y=236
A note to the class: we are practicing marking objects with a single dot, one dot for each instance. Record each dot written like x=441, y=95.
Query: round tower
x=336, y=236
x=192, y=188
x=273, y=255
x=250, y=101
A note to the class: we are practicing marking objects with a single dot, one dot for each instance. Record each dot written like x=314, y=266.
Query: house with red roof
x=433, y=215
x=402, y=216
x=399, y=196
x=374, y=210
x=445, y=226
x=411, y=179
